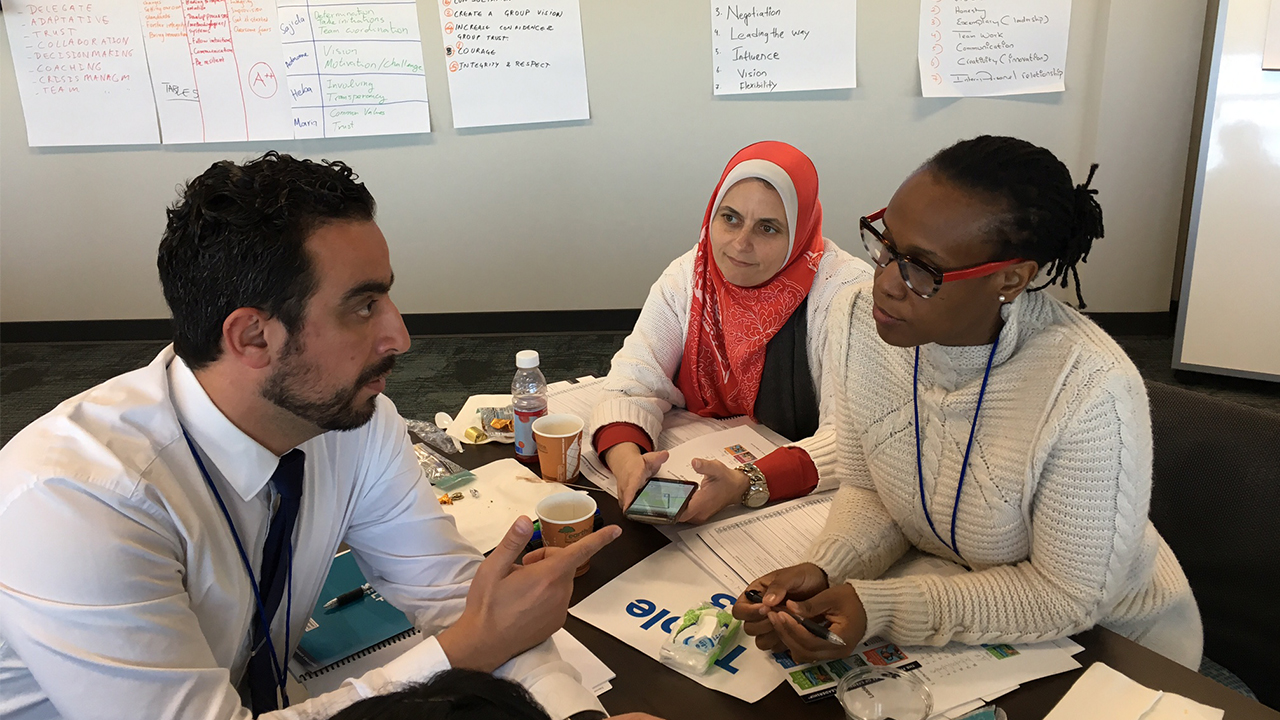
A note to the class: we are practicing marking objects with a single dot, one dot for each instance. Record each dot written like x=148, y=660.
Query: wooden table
x=644, y=685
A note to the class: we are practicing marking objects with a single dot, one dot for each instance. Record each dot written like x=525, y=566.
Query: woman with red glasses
x=735, y=326
x=986, y=425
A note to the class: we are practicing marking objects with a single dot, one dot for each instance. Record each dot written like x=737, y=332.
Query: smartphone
x=660, y=501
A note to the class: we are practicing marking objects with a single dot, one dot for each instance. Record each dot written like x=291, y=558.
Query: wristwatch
x=757, y=493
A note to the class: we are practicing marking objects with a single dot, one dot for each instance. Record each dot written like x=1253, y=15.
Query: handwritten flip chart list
x=354, y=67
x=77, y=61
x=514, y=61
x=784, y=45
x=217, y=69
x=974, y=48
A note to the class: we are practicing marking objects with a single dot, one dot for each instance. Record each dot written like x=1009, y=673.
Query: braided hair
x=1045, y=217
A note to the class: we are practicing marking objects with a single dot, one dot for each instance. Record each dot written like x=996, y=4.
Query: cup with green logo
x=566, y=518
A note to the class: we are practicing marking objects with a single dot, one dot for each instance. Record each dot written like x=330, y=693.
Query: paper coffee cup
x=559, y=441
x=566, y=518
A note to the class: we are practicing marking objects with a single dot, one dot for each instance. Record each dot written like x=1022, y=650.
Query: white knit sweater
x=1053, y=515
x=640, y=386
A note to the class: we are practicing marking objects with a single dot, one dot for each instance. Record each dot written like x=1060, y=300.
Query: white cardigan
x=1053, y=512
x=640, y=386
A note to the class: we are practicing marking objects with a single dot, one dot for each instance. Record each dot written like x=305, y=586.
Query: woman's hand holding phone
x=632, y=467
x=660, y=501
x=721, y=487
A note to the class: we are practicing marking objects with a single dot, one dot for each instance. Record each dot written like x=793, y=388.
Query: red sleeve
x=790, y=473
x=621, y=432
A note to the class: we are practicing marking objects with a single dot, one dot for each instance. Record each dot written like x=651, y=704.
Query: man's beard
x=339, y=411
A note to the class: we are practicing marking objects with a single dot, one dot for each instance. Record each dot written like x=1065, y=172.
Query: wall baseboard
x=1136, y=323
x=480, y=323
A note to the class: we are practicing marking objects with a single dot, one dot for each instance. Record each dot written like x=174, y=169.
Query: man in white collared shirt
x=122, y=592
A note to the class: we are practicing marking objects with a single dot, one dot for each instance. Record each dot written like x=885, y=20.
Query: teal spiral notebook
x=345, y=634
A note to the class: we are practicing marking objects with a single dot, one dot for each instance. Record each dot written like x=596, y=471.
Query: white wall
x=585, y=215
x=1231, y=308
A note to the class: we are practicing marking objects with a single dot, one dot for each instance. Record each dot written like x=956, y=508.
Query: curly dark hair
x=451, y=695
x=236, y=238
x=1046, y=217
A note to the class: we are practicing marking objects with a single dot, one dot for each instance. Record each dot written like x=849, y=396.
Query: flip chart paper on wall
x=76, y=61
x=513, y=62
x=640, y=606
x=976, y=48
x=217, y=69
x=354, y=67
x=783, y=45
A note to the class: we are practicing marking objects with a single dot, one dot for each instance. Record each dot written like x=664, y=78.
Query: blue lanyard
x=915, y=398
x=281, y=679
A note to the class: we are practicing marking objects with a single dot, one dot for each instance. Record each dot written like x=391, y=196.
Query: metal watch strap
x=756, y=480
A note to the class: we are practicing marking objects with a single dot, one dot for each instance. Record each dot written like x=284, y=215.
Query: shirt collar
x=242, y=462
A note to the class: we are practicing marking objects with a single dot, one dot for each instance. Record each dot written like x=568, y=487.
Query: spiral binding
x=356, y=656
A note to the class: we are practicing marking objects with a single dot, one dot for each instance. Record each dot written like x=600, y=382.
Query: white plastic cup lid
x=527, y=359
x=884, y=693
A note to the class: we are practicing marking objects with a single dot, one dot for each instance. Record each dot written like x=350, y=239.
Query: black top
x=787, y=402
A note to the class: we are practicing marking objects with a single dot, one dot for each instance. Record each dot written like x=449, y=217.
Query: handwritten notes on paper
x=973, y=48
x=81, y=60
x=783, y=45
x=354, y=67
x=217, y=70
x=514, y=61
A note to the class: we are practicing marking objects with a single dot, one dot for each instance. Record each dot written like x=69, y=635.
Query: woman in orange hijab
x=735, y=326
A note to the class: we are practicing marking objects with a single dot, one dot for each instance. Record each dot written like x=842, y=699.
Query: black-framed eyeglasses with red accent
x=923, y=279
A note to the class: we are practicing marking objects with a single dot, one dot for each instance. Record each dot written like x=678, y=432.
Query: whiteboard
x=586, y=214
x=1229, y=317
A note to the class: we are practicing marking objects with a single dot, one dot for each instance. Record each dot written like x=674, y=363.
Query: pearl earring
x=1002, y=298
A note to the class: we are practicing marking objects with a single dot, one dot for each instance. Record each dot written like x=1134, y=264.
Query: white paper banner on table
x=79, y=61
x=513, y=62
x=783, y=45
x=975, y=48
x=640, y=606
x=217, y=69
x=354, y=67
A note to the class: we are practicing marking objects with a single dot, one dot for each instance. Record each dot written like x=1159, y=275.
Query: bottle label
x=526, y=450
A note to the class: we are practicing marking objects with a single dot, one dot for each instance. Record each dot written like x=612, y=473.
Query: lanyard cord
x=915, y=398
x=253, y=582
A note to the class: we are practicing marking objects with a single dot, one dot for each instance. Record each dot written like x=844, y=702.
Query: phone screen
x=661, y=500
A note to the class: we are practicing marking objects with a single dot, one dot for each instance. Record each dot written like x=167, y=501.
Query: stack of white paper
x=1103, y=692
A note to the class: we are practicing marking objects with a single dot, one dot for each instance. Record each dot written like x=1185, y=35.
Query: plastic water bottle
x=528, y=402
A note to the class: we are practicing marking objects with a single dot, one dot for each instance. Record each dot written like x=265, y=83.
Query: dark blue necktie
x=263, y=681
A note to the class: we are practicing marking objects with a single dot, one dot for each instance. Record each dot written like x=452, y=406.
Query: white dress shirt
x=122, y=594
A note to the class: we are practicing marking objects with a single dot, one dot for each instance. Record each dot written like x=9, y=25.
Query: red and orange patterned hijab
x=729, y=325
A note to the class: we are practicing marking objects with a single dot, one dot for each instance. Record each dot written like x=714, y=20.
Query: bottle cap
x=527, y=359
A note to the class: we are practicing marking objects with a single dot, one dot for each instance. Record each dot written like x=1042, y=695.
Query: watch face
x=757, y=497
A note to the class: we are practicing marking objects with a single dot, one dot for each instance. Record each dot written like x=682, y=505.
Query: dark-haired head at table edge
x=188, y=506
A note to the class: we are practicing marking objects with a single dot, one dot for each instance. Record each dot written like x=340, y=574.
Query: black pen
x=347, y=597
x=754, y=596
